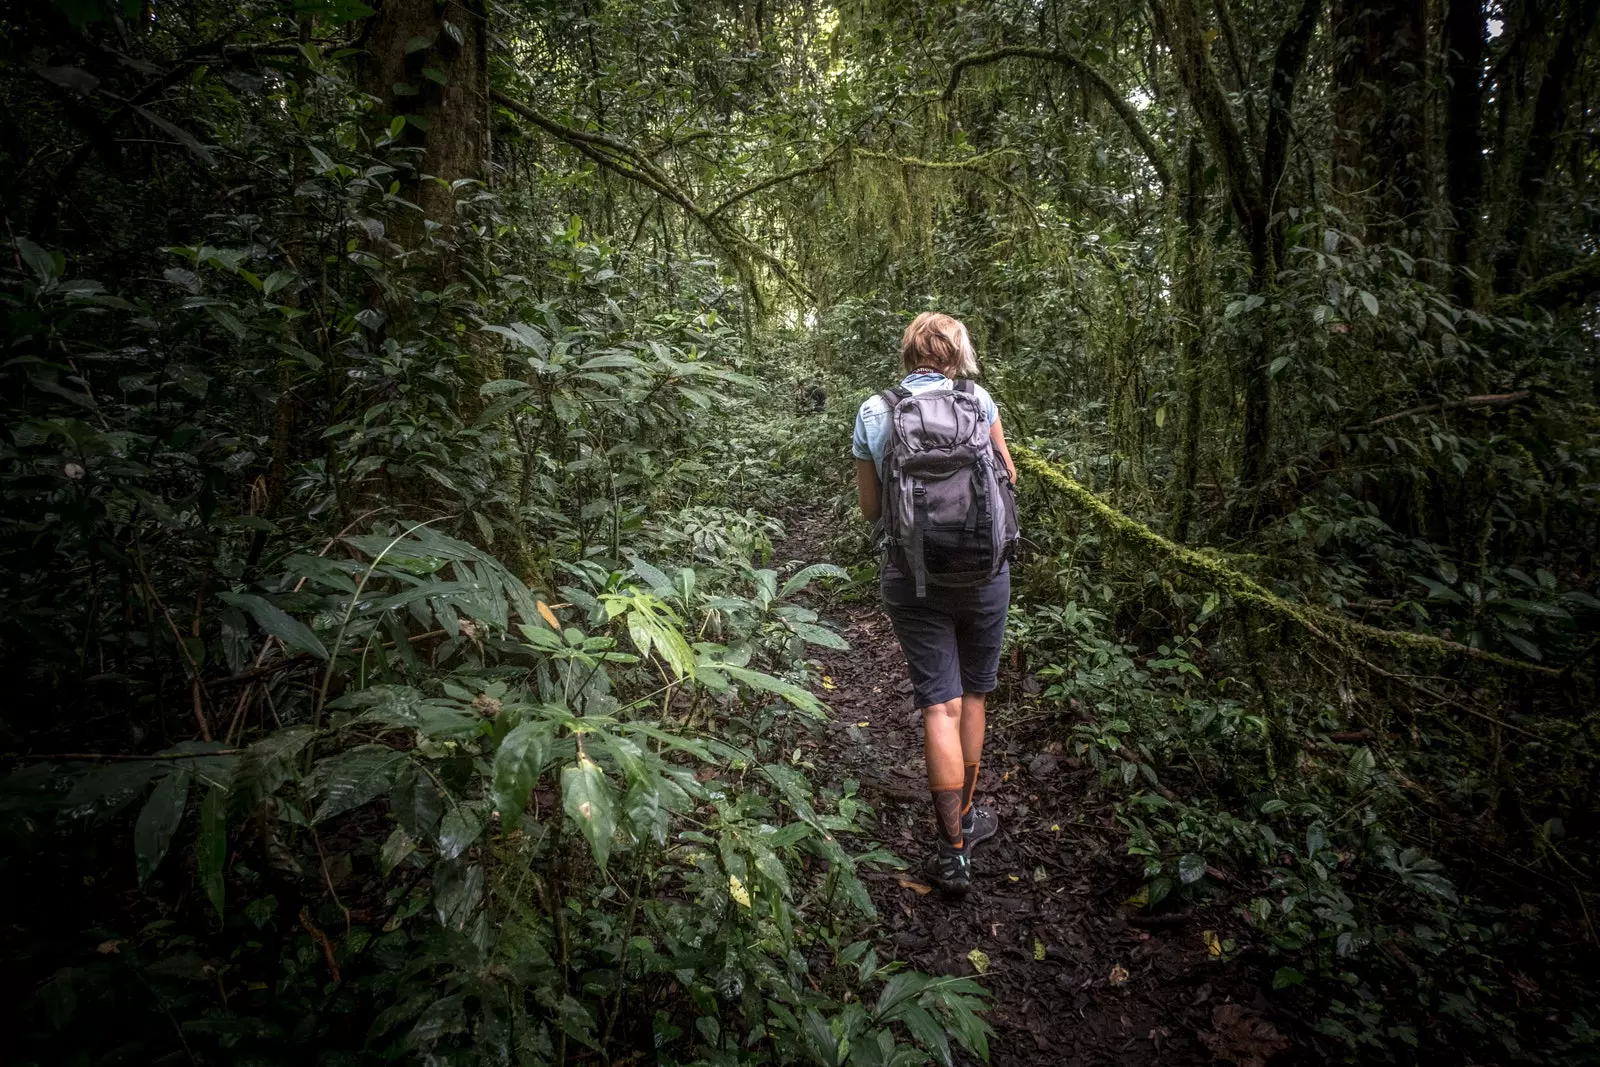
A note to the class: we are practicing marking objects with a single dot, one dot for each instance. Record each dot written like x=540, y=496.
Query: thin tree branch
x=776, y=179
x=1088, y=72
x=623, y=158
x=1487, y=400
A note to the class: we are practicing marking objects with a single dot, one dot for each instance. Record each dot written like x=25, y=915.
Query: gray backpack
x=949, y=509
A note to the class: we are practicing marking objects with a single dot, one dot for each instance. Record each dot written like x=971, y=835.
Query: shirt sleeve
x=859, y=447
x=989, y=407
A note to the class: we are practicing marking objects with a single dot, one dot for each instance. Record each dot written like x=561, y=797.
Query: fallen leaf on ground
x=107, y=948
x=1243, y=1036
x=980, y=960
x=917, y=887
x=1055, y=828
x=827, y=683
x=1038, y=949
x=1213, y=946
x=1038, y=873
x=1119, y=974
x=1043, y=765
x=864, y=722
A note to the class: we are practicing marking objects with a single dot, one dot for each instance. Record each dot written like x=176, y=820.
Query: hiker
x=933, y=470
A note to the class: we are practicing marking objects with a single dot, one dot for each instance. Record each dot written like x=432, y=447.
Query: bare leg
x=942, y=740
x=974, y=718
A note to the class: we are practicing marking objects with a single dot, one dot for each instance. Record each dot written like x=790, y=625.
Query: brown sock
x=947, y=812
x=969, y=785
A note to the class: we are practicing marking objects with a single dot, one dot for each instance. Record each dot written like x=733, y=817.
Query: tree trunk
x=428, y=61
x=1517, y=260
x=1252, y=185
x=1380, y=135
x=1191, y=306
x=1464, y=35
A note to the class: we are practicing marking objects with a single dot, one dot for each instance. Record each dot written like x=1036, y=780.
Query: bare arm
x=867, y=491
x=998, y=436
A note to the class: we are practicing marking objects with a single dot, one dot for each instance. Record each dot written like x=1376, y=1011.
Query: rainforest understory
x=439, y=624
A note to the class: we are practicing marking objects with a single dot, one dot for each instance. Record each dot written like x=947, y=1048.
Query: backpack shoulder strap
x=966, y=386
x=892, y=396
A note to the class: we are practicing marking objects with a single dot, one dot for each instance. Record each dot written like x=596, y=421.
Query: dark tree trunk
x=429, y=60
x=1517, y=259
x=1464, y=36
x=1192, y=316
x=1380, y=134
x=1252, y=184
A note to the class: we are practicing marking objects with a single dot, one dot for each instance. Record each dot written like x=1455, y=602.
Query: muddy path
x=1074, y=980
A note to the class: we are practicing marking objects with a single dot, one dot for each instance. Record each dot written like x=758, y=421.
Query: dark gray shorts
x=952, y=637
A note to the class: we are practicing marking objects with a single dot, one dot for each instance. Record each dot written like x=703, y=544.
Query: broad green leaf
x=1191, y=868
x=927, y=1032
x=587, y=798
x=806, y=575
x=396, y=848
x=211, y=848
x=158, y=821
x=355, y=777
x=800, y=698
x=294, y=634
x=517, y=766
x=459, y=829
x=42, y=263
x=812, y=634
x=823, y=1042
x=457, y=892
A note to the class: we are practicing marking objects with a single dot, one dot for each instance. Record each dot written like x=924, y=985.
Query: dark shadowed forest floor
x=1078, y=976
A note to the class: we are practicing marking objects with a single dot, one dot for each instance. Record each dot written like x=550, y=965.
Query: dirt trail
x=1073, y=981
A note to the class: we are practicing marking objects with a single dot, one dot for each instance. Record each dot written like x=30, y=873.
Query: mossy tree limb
x=1088, y=73
x=635, y=164
x=1335, y=630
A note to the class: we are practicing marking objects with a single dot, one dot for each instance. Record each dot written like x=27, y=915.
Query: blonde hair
x=940, y=342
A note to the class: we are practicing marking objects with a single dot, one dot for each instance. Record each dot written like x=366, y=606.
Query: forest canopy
x=427, y=527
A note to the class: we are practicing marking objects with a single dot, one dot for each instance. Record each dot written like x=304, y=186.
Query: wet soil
x=1077, y=976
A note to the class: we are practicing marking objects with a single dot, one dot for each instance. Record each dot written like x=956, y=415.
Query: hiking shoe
x=978, y=824
x=948, y=871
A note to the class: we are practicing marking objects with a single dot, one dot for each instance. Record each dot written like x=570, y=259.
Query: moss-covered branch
x=1555, y=290
x=1334, y=629
x=1085, y=70
x=632, y=163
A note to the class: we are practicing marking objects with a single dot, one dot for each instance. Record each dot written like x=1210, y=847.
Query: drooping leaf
x=274, y=620
x=806, y=575
x=158, y=821
x=457, y=892
x=396, y=847
x=1191, y=868
x=459, y=829
x=517, y=765
x=355, y=777
x=211, y=848
x=586, y=797
x=818, y=635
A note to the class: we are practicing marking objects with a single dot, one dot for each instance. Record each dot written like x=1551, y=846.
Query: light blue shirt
x=871, y=439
